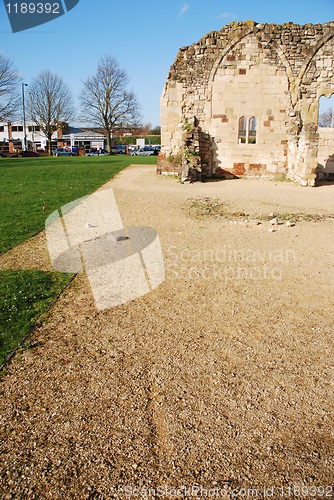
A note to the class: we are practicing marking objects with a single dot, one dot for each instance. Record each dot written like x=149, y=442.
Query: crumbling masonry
x=244, y=102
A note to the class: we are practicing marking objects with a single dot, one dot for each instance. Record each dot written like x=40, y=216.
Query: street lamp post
x=24, y=117
x=32, y=124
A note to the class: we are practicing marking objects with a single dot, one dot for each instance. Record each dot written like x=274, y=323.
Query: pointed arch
x=325, y=39
x=257, y=32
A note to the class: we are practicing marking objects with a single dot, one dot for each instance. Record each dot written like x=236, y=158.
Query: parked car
x=27, y=154
x=121, y=149
x=114, y=150
x=62, y=152
x=146, y=151
x=97, y=152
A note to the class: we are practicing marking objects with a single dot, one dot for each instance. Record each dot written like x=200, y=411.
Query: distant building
x=82, y=137
x=12, y=138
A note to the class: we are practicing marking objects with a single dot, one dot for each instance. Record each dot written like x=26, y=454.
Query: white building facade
x=14, y=139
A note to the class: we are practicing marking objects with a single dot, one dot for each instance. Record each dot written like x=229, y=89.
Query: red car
x=28, y=154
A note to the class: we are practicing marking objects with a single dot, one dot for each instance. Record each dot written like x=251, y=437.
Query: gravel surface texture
x=221, y=378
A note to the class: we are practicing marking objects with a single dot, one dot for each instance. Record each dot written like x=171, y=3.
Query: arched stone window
x=242, y=130
x=247, y=130
x=252, y=130
x=326, y=111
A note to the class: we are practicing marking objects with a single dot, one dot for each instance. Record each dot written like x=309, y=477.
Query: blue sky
x=144, y=36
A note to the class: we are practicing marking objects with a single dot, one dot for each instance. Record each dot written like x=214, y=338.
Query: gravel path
x=221, y=379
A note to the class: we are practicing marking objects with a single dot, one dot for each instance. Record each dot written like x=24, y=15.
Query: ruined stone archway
x=285, y=65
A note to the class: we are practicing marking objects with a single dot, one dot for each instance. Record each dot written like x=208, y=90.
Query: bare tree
x=104, y=99
x=51, y=103
x=326, y=118
x=9, y=95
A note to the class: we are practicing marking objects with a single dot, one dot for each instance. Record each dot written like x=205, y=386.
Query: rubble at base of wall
x=168, y=165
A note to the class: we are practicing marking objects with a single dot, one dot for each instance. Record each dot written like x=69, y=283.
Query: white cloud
x=184, y=9
x=225, y=15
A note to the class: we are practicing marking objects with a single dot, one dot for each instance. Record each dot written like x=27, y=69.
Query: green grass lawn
x=26, y=186
x=24, y=296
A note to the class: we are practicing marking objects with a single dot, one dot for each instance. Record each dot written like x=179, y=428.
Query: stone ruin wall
x=272, y=73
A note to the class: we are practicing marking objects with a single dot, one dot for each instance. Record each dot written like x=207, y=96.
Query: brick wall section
x=257, y=169
x=239, y=169
x=161, y=161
